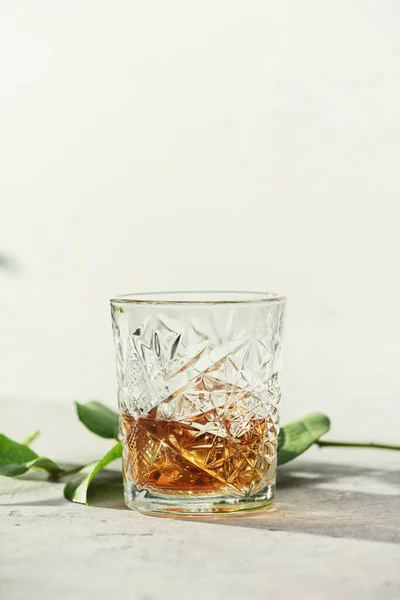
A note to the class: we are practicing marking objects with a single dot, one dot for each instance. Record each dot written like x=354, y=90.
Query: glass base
x=151, y=503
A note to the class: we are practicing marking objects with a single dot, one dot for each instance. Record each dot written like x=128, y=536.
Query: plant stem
x=322, y=443
x=61, y=474
x=30, y=438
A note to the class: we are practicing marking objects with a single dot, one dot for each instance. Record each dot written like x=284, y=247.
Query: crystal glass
x=198, y=394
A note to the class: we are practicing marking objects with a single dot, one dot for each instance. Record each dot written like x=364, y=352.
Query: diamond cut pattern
x=199, y=404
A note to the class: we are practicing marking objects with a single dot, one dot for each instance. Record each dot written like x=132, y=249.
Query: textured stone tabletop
x=334, y=532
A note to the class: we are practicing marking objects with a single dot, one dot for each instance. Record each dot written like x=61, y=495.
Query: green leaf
x=16, y=459
x=295, y=438
x=30, y=438
x=76, y=490
x=100, y=419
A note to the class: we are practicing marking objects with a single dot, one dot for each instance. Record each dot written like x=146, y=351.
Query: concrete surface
x=334, y=533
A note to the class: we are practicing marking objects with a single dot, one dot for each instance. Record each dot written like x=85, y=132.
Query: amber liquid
x=184, y=457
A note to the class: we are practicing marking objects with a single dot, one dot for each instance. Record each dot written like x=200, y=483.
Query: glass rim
x=199, y=297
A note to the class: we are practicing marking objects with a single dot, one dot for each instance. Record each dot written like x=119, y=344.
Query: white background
x=216, y=144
